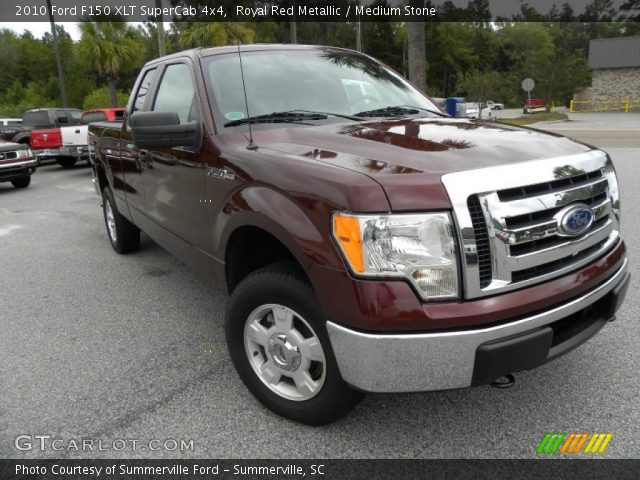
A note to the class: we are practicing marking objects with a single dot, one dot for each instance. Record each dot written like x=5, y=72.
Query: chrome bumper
x=29, y=162
x=437, y=361
x=75, y=151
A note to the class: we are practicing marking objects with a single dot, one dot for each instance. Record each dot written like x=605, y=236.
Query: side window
x=176, y=93
x=61, y=115
x=143, y=89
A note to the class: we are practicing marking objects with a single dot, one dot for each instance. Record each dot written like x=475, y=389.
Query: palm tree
x=113, y=48
x=211, y=34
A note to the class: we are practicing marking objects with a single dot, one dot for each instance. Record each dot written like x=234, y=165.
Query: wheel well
x=251, y=248
x=24, y=141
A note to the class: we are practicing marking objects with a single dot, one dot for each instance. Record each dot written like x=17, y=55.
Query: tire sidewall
x=23, y=182
x=107, y=196
x=268, y=287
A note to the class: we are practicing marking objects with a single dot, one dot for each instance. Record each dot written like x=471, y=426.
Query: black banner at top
x=321, y=11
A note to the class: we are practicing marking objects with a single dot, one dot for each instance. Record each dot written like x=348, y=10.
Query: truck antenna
x=251, y=145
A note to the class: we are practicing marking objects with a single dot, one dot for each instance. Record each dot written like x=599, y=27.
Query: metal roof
x=614, y=52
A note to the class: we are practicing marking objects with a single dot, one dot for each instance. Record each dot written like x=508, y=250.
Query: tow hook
x=506, y=381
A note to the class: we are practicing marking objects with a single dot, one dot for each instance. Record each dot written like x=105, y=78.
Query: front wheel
x=123, y=235
x=277, y=339
x=21, y=182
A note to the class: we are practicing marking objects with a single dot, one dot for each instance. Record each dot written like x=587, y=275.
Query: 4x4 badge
x=220, y=173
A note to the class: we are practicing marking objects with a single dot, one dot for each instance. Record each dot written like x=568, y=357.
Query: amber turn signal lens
x=346, y=230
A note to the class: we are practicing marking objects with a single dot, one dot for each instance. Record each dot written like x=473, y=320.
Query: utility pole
x=56, y=47
x=358, y=35
x=160, y=26
x=293, y=28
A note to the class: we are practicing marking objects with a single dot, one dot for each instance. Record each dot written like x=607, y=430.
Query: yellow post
x=571, y=106
x=626, y=106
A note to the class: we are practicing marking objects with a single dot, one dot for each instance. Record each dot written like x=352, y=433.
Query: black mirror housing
x=163, y=130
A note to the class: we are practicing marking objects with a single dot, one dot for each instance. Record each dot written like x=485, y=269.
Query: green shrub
x=99, y=98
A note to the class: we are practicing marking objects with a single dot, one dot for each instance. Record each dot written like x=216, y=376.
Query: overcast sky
x=40, y=28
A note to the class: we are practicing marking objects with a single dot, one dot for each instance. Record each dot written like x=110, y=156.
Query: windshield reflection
x=319, y=80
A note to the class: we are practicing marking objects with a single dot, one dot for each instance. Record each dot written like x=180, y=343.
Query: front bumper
x=17, y=169
x=462, y=358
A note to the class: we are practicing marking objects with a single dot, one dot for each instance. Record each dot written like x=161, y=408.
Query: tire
x=67, y=162
x=21, y=182
x=123, y=235
x=300, y=379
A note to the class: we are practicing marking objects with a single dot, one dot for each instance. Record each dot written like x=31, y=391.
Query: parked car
x=68, y=145
x=535, y=105
x=4, y=122
x=16, y=164
x=393, y=249
x=472, y=110
x=494, y=105
x=40, y=118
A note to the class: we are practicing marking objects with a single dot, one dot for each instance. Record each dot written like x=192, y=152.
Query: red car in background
x=102, y=115
x=535, y=105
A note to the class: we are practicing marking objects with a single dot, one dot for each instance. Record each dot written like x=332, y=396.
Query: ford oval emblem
x=574, y=220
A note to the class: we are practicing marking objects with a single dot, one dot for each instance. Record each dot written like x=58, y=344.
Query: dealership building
x=615, y=63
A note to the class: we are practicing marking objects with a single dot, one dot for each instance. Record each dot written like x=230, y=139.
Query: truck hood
x=11, y=131
x=11, y=147
x=408, y=157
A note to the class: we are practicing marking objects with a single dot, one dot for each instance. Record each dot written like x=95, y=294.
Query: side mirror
x=163, y=129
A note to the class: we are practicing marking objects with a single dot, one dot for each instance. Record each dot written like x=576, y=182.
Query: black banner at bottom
x=318, y=469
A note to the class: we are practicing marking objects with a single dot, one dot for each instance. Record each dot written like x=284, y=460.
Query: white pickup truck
x=68, y=145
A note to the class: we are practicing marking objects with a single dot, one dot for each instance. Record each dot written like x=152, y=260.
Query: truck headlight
x=418, y=247
x=24, y=153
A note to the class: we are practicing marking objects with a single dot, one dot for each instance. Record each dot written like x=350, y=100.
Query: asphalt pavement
x=98, y=346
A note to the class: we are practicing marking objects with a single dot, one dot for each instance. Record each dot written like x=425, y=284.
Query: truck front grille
x=482, y=240
x=509, y=225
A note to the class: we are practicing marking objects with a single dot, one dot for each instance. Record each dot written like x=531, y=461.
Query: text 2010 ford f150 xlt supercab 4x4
x=369, y=242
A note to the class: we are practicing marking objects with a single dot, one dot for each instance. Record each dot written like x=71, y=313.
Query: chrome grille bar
x=550, y=200
x=515, y=210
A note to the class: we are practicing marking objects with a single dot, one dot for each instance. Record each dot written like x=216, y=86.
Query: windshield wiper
x=397, y=111
x=331, y=114
x=278, y=117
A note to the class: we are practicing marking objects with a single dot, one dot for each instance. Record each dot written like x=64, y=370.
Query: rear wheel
x=123, y=235
x=278, y=342
x=67, y=162
x=21, y=182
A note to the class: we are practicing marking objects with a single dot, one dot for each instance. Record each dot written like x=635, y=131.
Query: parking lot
x=101, y=346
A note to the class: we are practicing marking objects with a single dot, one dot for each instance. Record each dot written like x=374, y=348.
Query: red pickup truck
x=369, y=242
x=67, y=145
x=535, y=105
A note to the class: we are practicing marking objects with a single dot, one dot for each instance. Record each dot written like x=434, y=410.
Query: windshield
x=323, y=80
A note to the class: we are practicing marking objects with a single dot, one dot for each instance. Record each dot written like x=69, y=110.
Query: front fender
x=304, y=232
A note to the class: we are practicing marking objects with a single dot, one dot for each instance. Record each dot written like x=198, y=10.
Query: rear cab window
x=40, y=117
x=91, y=117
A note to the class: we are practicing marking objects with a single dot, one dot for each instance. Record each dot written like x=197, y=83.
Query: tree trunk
x=417, y=51
x=160, y=27
x=113, y=94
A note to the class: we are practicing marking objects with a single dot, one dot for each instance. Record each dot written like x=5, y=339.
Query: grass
x=533, y=118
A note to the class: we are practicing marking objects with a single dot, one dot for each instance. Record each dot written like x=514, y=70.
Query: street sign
x=528, y=84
